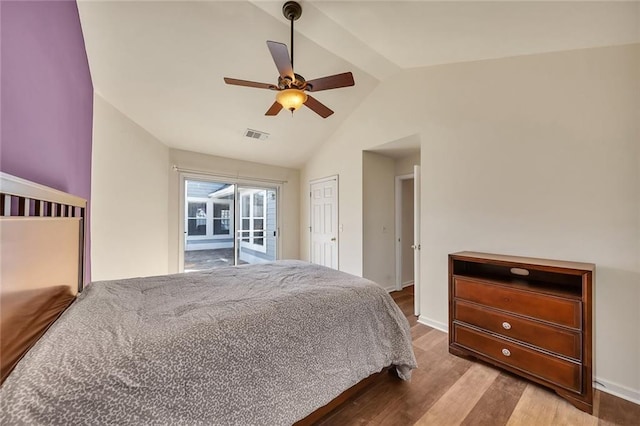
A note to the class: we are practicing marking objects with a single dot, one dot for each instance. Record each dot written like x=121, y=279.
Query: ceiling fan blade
x=318, y=107
x=274, y=109
x=331, y=82
x=280, y=54
x=246, y=83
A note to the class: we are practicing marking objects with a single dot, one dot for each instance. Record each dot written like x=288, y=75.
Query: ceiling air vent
x=256, y=134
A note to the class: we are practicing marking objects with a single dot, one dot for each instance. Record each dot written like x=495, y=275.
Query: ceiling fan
x=291, y=87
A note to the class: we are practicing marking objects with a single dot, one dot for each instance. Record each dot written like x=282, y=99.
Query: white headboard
x=41, y=234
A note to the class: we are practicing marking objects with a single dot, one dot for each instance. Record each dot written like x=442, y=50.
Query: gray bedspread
x=249, y=345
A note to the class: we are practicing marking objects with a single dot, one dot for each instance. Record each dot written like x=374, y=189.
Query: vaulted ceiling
x=162, y=63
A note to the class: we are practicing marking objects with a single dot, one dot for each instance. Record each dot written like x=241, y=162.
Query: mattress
x=252, y=344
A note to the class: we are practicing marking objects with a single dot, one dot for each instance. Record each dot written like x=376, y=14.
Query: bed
x=275, y=343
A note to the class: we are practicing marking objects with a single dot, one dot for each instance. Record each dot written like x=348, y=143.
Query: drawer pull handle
x=506, y=325
x=506, y=352
x=519, y=271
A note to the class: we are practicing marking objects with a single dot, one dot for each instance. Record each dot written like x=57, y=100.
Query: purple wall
x=46, y=96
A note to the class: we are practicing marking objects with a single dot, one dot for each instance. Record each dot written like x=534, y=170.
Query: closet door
x=323, y=208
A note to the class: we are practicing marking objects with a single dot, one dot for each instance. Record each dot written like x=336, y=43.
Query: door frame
x=311, y=183
x=211, y=177
x=398, y=214
x=417, y=237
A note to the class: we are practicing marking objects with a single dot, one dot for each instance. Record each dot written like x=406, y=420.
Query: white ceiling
x=162, y=63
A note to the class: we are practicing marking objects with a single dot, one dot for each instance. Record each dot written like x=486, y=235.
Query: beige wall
x=289, y=213
x=378, y=220
x=407, y=227
x=128, y=197
x=136, y=199
x=534, y=155
x=404, y=165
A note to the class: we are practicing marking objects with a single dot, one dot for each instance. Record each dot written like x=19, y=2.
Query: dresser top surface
x=533, y=261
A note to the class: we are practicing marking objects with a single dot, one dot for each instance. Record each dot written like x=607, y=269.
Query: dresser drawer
x=560, y=372
x=553, y=309
x=554, y=339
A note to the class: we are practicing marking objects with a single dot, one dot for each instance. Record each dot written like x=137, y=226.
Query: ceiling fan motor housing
x=292, y=10
x=286, y=83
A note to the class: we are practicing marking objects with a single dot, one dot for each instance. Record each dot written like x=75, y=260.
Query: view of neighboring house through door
x=228, y=224
x=323, y=209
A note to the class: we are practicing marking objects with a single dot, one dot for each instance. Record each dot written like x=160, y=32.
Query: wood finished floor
x=448, y=390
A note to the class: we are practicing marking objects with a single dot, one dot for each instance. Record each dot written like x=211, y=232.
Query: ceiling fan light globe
x=291, y=99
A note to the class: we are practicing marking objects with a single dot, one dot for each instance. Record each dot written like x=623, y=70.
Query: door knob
x=333, y=239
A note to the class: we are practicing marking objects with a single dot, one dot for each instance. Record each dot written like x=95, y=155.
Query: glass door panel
x=258, y=230
x=209, y=227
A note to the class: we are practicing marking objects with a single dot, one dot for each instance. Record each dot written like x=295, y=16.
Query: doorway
x=228, y=224
x=405, y=220
x=407, y=213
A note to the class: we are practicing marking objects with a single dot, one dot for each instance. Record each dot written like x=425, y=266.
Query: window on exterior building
x=197, y=218
x=221, y=219
x=245, y=218
x=258, y=218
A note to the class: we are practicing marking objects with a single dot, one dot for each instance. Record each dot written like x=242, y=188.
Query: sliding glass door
x=228, y=224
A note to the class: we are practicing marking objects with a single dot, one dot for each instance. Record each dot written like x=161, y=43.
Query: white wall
x=535, y=156
x=378, y=219
x=288, y=211
x=128, y=197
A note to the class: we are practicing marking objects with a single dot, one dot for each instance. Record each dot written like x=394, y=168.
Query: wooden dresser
x=532, y=317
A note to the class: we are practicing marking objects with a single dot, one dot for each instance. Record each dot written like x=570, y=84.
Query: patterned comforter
x=249, y=345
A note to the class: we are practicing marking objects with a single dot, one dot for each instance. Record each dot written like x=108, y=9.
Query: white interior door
x=416, y=239
x=324, y=222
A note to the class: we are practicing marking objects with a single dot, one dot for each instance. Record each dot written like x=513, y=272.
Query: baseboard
x=615, y=389
x=390, y=289
x=433, y=324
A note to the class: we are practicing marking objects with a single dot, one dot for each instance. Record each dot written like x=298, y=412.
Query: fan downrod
x=292, y=10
